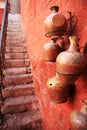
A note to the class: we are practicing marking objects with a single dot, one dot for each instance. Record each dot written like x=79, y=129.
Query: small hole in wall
x=50, y=84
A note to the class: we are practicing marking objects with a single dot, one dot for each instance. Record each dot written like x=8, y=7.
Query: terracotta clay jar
x=55, y=24
x=71, y=63
x=57, y=91
x=78, y=118
x=50, y=51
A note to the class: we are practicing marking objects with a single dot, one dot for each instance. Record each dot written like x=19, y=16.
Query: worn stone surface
x=14, y=71
x=55, y=116
x=15, y=49
x=17, y=79
x=18, y=91
x=19, y=104
x=17, y=63
x=24, y=121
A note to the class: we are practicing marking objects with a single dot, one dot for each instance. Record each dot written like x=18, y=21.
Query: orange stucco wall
x=1, y=15
x=33, y=12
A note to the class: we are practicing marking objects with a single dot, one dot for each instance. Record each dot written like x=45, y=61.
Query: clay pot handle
x=56, y=8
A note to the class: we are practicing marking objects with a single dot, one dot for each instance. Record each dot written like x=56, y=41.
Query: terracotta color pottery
x=57, y=91
x=55, y=23
x=71, y=63
x=50, y=51
x=78, y=118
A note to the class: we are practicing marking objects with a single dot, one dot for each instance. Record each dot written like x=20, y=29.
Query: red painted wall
x=34, y=12
x=1, y=15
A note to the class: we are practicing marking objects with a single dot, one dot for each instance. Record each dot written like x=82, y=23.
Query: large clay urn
x=71, y=63
x=57, y=91
x=78, y=118
x=55, y=23
x=51, y=50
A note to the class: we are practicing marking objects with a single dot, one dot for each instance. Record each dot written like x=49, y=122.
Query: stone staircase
x=20, y=105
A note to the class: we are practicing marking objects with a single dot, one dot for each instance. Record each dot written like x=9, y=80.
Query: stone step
x=18, y=90
x=15, y=38
x=14, y=24
x=16, y=44
x=22, y=41
x=14, y=29
x=16, y=63
x=15, y=71
x=19, y=42
x=15, y=34
x=23, y=121
x=17, y=79
x=16, y=56
x=16, y=49
x=19, y=104
x=14, y=17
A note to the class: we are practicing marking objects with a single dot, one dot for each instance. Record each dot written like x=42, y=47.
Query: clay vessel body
x=78, y=119
x=57, y=91
x=71, y=63
x=55, y=23
x=50, y=51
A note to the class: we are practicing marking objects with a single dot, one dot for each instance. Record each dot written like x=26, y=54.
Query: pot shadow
x=72, y=93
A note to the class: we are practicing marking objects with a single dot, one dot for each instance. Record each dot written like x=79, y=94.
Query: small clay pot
x=57, y=91
x=71, y=63
x=78, y=118
x=55, y=23
x=51, y=51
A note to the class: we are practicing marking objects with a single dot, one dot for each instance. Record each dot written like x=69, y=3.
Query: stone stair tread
x=14, y=25
x=19, y=100
x=16, y=41
x=15, y=49
x=19, y=86
x=15, y=29
x=17, y=79
x=18, y=90
x=14, y=17
x=15, y=55
x=19, y=104
x=13, y=71
x=16, y=44
x=15, y=38
x=14, y=34
x=16, y=63
x=17, y=76
x=24, y=121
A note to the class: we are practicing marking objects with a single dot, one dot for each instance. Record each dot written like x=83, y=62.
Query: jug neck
x=73, y=43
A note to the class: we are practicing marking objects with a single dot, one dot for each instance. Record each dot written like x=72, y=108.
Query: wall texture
x=34, y=12
x=1, y=15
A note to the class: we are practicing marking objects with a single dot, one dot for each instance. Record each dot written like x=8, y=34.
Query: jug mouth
x=74, y=38
x=55, y=7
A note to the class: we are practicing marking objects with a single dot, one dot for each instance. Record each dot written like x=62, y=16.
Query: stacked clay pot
x=55, y=23
x=55, y=26
x=51, y=50
x=71, y=63
x=57, y=91
x=78, y=118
